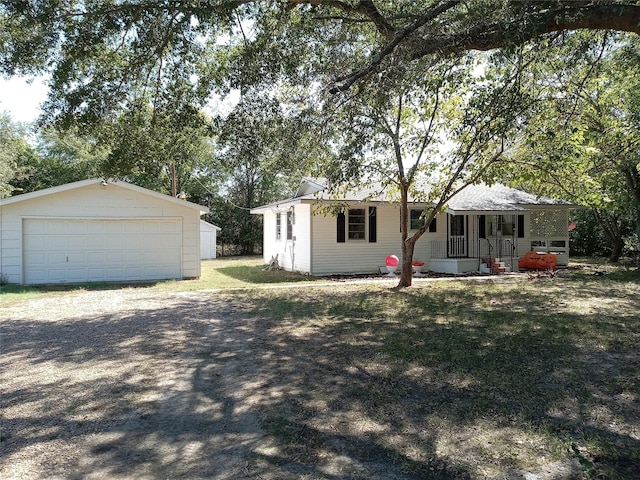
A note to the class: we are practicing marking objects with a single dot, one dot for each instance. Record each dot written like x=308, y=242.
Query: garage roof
x=93, y=181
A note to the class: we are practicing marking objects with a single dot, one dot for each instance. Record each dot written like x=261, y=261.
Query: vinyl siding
x=94, y=202
x=294, y=254
x=361, y=256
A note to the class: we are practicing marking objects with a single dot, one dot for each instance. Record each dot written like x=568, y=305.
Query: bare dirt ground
x=136, y=384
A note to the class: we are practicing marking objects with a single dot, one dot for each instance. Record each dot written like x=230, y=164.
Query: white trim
x=85, y=183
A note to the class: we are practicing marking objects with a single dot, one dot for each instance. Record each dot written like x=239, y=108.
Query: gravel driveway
x=136, y=384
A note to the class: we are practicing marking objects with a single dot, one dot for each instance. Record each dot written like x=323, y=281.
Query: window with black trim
x=278, y=226
x=416, y=221
x=357, y=224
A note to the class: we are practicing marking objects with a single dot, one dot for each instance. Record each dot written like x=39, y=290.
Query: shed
x=94, y=230
x=208, y=240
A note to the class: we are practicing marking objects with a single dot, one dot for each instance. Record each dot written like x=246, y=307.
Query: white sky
x=22, y=99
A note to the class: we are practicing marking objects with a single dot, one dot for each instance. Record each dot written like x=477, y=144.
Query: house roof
x=84, y=183
x=473, y=198
x=498, y=197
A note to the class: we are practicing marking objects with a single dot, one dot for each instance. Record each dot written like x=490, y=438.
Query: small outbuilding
x=96, y=230
x=208, y=240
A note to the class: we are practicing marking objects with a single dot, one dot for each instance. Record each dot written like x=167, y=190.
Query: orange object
x=538, y=261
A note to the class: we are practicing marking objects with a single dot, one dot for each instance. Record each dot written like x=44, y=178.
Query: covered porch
x=493, y=241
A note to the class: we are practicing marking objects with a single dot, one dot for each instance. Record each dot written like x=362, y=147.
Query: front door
x=457, y=236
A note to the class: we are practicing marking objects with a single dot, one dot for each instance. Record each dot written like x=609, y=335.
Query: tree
x=260, y=153
x=15, y=152
x=582, y=141
x=100, y=53
x=58, y=159
x=153, y=146
x=393, y=133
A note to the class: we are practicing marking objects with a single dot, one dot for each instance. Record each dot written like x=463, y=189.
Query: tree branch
x=511, y=31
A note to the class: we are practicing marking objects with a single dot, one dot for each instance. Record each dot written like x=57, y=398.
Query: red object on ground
x=538, y=261
x=392, y=261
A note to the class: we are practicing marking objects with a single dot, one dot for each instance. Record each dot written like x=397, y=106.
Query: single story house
x=97, y=230
x=481, y=224
x=208, y=240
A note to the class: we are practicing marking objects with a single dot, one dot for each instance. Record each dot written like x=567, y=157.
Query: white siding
x=208, y=240
x=95, y=201
x=328, y=256
x=355, y=256
x=293, y=254
x=361, y=256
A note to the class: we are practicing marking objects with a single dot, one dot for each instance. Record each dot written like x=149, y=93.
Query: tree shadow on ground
x=557, y=383
x=365, y=384
x=167, y=392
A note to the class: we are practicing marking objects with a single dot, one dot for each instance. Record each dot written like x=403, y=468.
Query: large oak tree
x=100, y=53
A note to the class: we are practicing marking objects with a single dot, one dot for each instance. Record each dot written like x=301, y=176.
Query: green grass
x=235, y=272
x=477, y=378
x=221, y=273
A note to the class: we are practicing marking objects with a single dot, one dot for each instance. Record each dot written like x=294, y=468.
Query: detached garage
x=93, y=230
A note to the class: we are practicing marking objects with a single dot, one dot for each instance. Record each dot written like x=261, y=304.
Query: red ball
x=392, y=261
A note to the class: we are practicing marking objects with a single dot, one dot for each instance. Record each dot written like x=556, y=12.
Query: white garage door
x=91, y=250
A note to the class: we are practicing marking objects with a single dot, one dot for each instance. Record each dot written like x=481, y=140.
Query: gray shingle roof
x=497, y=197
x=478, y=198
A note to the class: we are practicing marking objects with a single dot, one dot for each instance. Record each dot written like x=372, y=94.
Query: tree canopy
x=102, y=54
x=581, y=141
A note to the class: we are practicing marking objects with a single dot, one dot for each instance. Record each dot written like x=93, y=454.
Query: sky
x=21, y=99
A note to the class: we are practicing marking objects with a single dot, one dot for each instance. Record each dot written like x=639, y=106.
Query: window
x=289, y=225
x=416, y=221
x=278, y=226
x=357, y=223
x=502, y=224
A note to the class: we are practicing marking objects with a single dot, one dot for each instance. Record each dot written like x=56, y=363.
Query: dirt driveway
x=136, y=384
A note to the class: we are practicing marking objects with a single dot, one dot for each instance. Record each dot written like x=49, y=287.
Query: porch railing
x=485, y=248
x=457, y=247
x=438, y=249
x=452, y=248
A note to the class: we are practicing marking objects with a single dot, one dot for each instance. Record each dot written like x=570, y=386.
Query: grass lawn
x=461, y=379
x=220, y=273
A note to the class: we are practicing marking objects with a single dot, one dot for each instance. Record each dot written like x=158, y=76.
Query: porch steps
x=494, y=265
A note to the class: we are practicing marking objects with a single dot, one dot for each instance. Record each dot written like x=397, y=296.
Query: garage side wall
x=95, y=202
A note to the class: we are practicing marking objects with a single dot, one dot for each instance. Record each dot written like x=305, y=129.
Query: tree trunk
x=616, y=250
x=406, y=276
x=612, y=228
